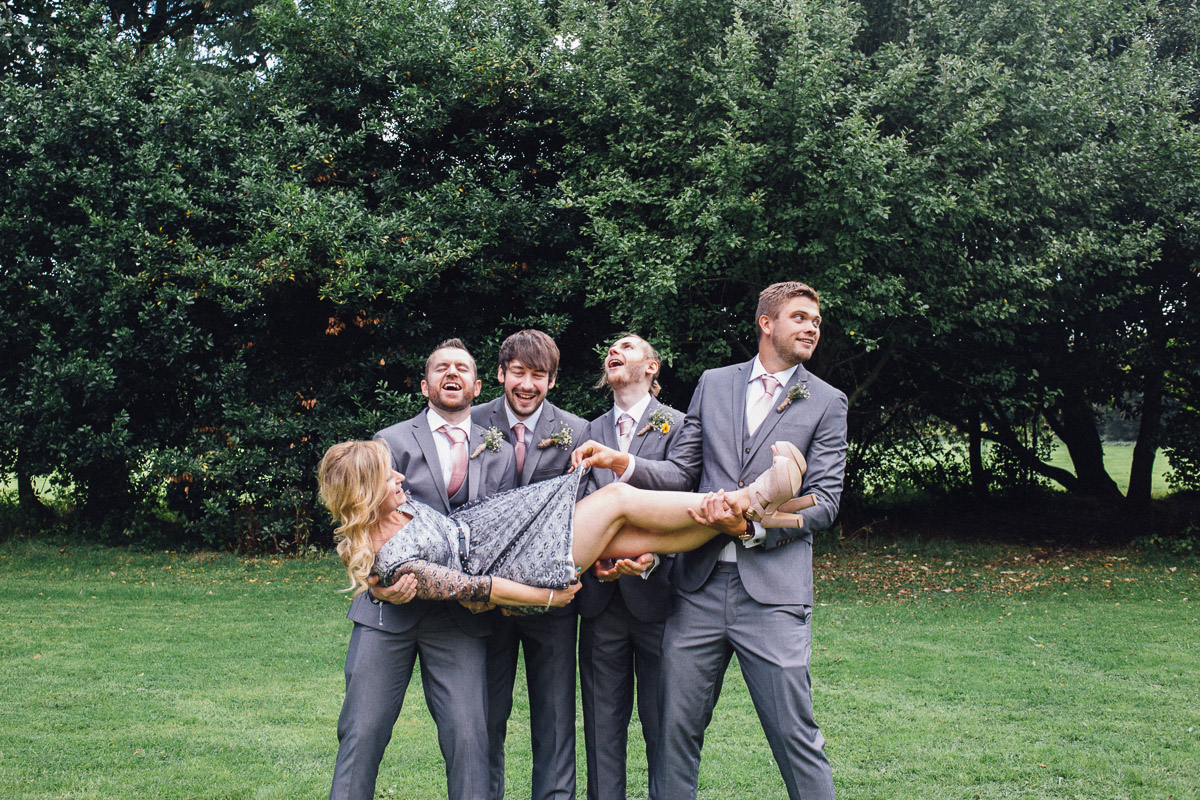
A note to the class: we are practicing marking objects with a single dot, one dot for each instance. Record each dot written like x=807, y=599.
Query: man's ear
x=652, y=368
x=424, y=387
x=500, y=374
x=765, y=324
x=550, y=383
x=478, y=388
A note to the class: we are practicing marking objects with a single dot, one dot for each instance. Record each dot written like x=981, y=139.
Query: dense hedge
x=231, y=242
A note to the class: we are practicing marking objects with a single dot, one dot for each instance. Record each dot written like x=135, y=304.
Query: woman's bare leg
x=618, y=519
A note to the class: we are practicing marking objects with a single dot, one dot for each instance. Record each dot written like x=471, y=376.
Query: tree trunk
x=1002, y=433
x=979, y=481
x=27, y=499
x=33, y=512
x=1075, y=424
x=109, y=494
x=1141, y=472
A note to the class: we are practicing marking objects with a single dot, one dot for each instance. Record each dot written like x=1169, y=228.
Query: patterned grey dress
x=524, y=535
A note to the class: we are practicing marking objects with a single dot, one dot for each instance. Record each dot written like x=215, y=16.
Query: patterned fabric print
x=429, y=536
x=525, y=534
x=435, y=582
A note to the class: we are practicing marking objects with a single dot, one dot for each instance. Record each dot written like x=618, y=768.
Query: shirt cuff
x=628, y=473
x=654, y=566
x=760, y=534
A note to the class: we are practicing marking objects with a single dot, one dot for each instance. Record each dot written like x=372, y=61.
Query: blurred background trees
x=232, y=231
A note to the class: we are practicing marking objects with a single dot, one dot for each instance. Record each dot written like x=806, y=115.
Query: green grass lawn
x=944, y=671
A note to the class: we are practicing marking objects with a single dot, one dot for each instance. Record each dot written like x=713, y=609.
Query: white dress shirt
x=636, y=412
x=529, y=422
x=442, y=442
x=753, y=393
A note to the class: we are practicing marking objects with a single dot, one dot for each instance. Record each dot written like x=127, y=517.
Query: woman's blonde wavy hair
x=353, y=483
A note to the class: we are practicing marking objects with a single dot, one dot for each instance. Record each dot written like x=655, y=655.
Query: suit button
x=741, y=484
x=747, y=449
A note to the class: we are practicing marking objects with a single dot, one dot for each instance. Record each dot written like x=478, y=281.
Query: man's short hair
x=534, y=349
x=650, y=352
x=772, y=298
x=456, y=344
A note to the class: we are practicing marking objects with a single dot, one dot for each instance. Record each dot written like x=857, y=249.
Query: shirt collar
x=758, y=370
x=530, y=423
x=436, y=421
x=638, y=409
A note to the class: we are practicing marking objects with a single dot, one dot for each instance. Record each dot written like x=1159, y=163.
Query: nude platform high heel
x=773, y=500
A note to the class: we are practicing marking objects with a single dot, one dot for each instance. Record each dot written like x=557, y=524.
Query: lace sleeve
x=435, y=582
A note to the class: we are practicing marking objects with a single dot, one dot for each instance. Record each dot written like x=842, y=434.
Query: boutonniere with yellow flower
x=492, y=438
x=560, y=439
x=797, y=392
x=660, y=421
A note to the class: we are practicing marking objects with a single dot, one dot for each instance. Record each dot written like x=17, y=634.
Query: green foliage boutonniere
x=560, y=439
x=491, y=441
x=797, y=392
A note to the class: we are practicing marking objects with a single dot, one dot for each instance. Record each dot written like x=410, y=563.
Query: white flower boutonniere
x=562, y=438
x=797, y=392
x=492, y=438
x=660, y=421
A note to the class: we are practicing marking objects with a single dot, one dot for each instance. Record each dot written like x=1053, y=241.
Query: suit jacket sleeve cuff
x=654, y=566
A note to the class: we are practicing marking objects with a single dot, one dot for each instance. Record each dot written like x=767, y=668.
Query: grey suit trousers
x=451, y=666
x=549, y=645
x=616, y=649
x=773, y=646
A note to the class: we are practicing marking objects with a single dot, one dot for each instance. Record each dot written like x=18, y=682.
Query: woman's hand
x=400, y=592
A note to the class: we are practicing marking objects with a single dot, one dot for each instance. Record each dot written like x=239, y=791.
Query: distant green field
x=1118, y=458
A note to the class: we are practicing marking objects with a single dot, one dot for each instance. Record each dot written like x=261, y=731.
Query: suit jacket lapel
x=635, y=445
x=475, y=465
x=424, y=438
x=737, y=403
x=763, y=434
x=607, y=434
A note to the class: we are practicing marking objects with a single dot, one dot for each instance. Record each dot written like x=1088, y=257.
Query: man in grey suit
x=542, y=436
x=622, y=605
x=751, y=597
x=392, y=630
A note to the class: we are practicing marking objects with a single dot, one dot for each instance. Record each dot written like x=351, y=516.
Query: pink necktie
x=624, y=432
x=762, y=406
x=519, y=450
x=458, y=457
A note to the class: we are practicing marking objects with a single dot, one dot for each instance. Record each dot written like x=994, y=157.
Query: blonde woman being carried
x=522, y=549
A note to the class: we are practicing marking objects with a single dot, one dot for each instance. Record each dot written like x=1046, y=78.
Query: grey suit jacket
x=713, y=451
x=415, y=455
x=540, y=463
x=651, y=599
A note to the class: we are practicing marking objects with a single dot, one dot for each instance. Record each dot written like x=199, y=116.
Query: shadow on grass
x=1034, y=519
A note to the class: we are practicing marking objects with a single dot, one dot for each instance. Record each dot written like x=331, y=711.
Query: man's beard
x=439, y=400
x=788, y=351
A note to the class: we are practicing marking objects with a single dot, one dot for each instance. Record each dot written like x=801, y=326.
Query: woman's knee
x=617, y=492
